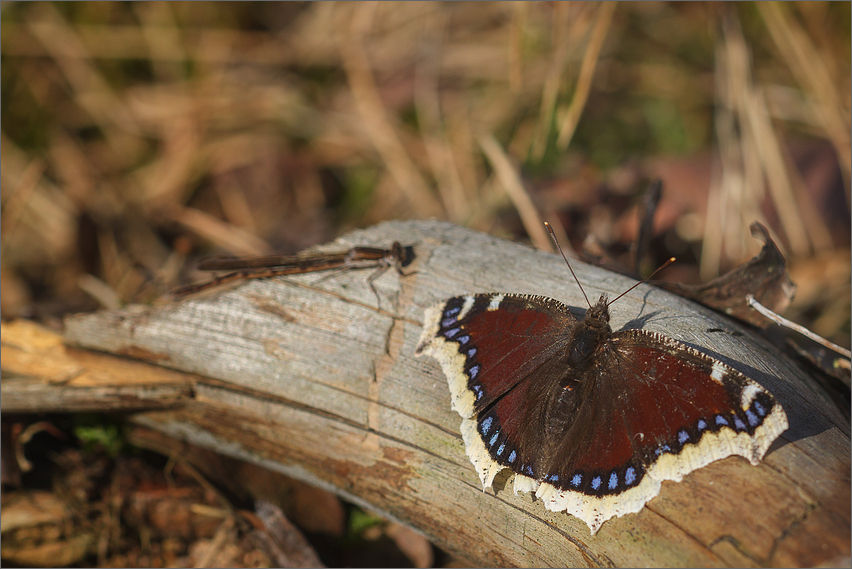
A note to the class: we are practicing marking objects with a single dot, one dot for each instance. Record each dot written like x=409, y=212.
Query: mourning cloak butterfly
x=590, y=419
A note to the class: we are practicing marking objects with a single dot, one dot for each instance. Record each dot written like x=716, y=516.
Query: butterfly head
x=597, y=317
x=590, y=334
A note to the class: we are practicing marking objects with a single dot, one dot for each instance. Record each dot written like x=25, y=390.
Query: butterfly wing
x=495, y=361
x=651, y=409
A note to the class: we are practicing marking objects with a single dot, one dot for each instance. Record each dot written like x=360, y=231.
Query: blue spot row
x=682, y=436
x=485, y=428
x=477, y=389
x=752, y=418
x=761, y=410
x=612, y=481
x=447, y=322
x=452, y=311
x=471, y=352
x=463, y=339
x=452, y=332
x=738, y=424
x=474, y=371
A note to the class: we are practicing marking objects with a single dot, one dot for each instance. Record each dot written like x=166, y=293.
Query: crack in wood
x=795, y=523
x=735, y=543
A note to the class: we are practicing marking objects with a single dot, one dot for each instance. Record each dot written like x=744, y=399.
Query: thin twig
x=780, y=320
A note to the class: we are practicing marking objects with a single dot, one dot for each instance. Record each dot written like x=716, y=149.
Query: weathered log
x=310, y=378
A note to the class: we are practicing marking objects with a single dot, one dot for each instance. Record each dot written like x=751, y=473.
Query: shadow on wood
x=309, y=378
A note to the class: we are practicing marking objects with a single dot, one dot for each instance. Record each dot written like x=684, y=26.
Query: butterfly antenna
x=553, y=236
x=646, y=279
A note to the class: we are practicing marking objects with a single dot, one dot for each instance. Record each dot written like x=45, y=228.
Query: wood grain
x=309, y=378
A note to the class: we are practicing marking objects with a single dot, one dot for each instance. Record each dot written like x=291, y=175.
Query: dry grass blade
x=731, y=79
x=100, y=291
x=515, y=188
x=519, y=18
x=38, y=219
x=19, y=199
x=428, y=105
x=753, y=162
x=224, y=235
x=91, y=90
x=587, y=73
x=807, y=65
x=553, y=82
x=162, y=38
x=801, y=221
x=378, y=125
x=765, y=141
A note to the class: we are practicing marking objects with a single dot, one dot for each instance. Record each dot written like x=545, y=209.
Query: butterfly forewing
x=484, y=351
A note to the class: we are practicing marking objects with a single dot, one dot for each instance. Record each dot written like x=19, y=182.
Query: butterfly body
x=589, y=334
x=589, y=419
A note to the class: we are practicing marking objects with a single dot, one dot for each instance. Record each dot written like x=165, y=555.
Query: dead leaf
x=765, y=277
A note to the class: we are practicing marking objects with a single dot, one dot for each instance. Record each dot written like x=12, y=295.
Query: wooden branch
x=41, y=374
x=309, y=378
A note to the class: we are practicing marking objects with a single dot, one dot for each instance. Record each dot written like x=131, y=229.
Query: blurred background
x=138, y=137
